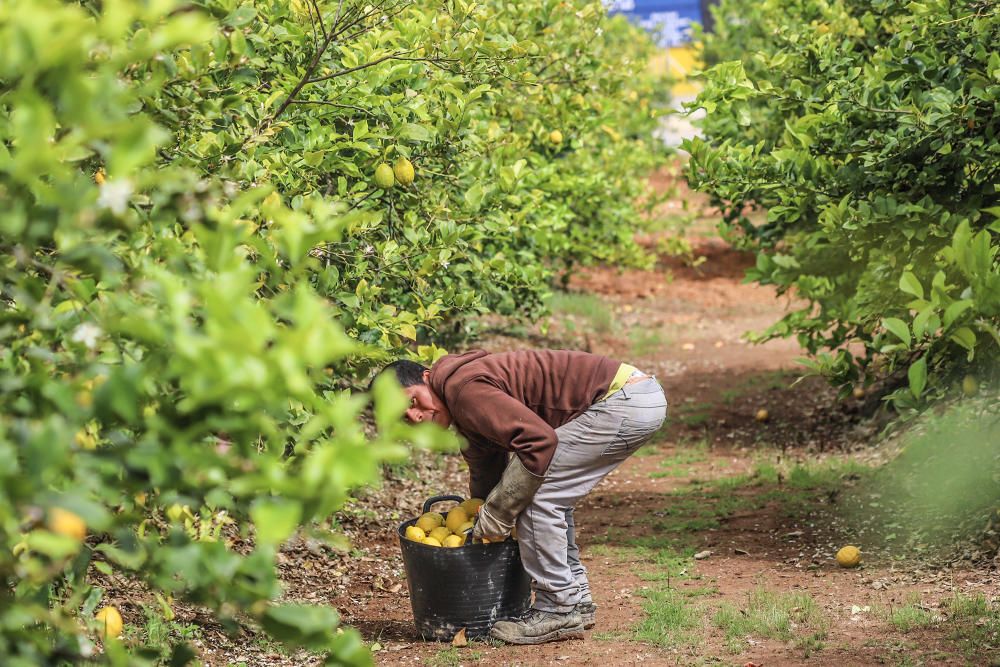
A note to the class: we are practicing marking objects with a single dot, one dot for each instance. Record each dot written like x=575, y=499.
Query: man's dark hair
x=407, y=372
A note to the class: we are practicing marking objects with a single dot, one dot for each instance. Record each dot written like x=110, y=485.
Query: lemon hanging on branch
x=66, y=523
x=556, y=137
x=384, y=177
x=403, y=171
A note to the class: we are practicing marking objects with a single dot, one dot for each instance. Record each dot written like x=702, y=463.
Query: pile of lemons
x=437, y=530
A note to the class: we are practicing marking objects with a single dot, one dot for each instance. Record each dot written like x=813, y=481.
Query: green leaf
x=275, y=519
x=240, y=16
x=909, y=284
x=474, y=197
x=917, y=375
x=898, y=328
x=390, y=401
x=414, y=132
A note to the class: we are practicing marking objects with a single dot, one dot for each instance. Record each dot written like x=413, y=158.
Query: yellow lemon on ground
x=414, y=533
x=430, y=521
x=111, y=622
x=464, y=527
x=453, y=541
x=762, y=415
x=471, y=506
x=403, y=171
x=849, y=557
x=439, y=533
x=384, y=176
x=64, y=522
x=431, y=542
x=455, y=519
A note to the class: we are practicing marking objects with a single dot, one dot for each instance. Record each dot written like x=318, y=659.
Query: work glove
x=507, y=499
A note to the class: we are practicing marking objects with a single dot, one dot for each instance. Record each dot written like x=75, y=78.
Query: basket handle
x=440, y=499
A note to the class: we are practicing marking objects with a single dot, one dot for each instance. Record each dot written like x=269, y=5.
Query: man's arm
x=482, y=410
x=486, y=465
x=486, y=411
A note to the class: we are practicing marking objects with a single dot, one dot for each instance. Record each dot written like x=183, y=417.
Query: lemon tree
x=218, y=216
x=867, y=131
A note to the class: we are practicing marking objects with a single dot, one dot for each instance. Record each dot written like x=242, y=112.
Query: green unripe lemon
x=403, y=170
x=970, y=385
x=384, y=177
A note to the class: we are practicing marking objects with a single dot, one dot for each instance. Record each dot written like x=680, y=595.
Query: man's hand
x=514, y=492
x=490, y=527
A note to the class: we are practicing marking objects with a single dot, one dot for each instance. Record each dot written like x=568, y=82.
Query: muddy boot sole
x=573, y=632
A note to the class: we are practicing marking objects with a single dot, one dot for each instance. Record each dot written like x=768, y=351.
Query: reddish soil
x=685, y=324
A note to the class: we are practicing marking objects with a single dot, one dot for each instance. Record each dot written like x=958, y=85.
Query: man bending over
x=568, y=419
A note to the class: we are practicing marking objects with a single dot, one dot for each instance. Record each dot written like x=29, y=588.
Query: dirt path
x=756, y=501
x=715, y=543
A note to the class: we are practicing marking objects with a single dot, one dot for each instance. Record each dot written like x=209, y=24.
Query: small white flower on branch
x=86, y=334
x=115, y=195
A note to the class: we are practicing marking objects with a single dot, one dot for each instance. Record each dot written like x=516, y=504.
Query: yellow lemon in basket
x=471, y=506
x=455, y=519
x=430, y=521
x=414, y=533
x=848, y=557
x=431, y=542
x=453, y=541
x=439, y=533
x=464, y=527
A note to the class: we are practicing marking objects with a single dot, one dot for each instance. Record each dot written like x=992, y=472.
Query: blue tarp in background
x=669, y=20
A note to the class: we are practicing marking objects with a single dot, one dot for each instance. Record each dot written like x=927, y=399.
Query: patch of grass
x=644, y=342
x=974, y=622
x=595, y=313
x=453, y=657
x=908, y=617
x=771, y=615
x=670, y=619
x=687, y=455
x=160, y=635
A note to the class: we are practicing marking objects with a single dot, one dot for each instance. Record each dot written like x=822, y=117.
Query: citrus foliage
x=197, y=260
x=869, y=133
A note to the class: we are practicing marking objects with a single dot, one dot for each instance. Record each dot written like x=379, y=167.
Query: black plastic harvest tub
x=470, y=587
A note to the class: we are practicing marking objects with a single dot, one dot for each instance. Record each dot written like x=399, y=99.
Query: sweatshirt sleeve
x=486, y=466
x=494, y=415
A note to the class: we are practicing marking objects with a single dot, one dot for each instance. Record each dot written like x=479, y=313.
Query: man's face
x=425, y=406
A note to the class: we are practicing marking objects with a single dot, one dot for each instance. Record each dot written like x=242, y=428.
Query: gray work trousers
x=590, y=447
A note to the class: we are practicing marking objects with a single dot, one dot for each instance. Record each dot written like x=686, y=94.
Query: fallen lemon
x=111, y=622
x=414, y=533
x=453, y=541
x=849, y=557
x=431, y=542
x=762, y=415
x=64, y=522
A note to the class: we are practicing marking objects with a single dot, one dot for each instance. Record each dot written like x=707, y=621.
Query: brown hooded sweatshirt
x=514, y=401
